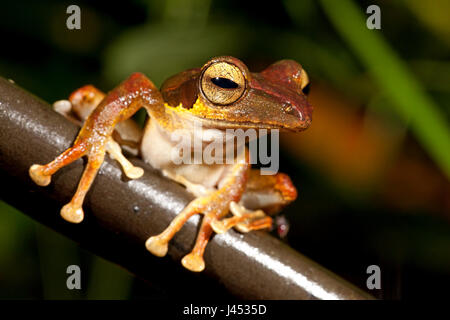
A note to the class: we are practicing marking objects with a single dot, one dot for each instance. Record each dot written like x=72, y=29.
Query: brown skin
x=272, y=98
x=222, y=94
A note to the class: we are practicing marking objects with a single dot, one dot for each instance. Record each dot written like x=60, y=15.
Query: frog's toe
x=157, y=246
x=218, y=226
x=38, y=176
x=193, y=262
x=72, y=213
x=134, y=172
x=63, y=107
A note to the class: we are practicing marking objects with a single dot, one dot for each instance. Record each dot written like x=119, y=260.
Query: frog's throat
x=198, y=109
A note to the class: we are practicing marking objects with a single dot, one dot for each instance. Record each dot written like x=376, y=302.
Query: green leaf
x=394, y=78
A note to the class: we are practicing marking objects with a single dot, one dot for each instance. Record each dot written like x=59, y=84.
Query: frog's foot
x=158, y=244
x=72, y=212
x=244, y=220
x=193, y=262
x=115, y=152
x=63, y=107
x=212, y=208
x=41, y=175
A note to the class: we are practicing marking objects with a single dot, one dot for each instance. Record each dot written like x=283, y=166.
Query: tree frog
x=221, y=95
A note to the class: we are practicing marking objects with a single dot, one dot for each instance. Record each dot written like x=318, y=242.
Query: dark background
x=372, y=171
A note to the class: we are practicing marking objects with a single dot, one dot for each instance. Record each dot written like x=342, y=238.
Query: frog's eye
x=222, y=83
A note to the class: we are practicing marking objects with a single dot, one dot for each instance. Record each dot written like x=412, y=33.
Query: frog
x=221, y=95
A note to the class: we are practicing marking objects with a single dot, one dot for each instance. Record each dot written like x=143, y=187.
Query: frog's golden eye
x=222, y=83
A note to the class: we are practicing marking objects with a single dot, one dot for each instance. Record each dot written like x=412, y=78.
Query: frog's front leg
x=213, y=206
x=77, y=109
x=95, y=137
x=115, y=152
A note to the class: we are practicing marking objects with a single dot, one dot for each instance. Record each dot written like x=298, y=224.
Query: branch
x=121, y=214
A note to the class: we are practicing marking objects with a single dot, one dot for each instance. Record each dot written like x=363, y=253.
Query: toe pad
x=37, y=176
x=193, y=262
x=156, y=246
x=72, y=214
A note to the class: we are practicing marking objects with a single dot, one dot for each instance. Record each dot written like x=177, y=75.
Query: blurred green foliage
x=401, y=72
x=395, y=79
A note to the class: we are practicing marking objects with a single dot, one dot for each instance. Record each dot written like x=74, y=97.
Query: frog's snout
x=299, y=111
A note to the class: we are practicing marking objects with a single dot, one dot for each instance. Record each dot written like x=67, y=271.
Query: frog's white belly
x=199, y=179
x=157, y=147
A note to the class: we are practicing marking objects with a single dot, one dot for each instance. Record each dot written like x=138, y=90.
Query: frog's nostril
x=303, y=114
x=292, y=109
x=299, y=114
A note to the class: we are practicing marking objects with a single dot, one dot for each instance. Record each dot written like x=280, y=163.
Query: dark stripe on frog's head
x=181, y=89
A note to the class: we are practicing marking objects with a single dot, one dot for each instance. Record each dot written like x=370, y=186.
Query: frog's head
x=225, y=94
